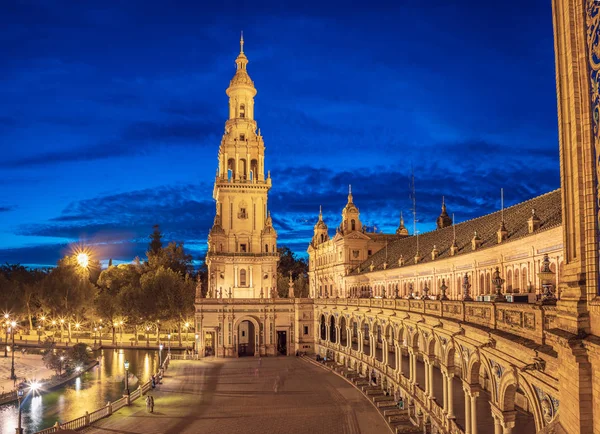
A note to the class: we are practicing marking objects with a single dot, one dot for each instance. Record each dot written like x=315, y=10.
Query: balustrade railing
x=521, y=319
x=105, y=411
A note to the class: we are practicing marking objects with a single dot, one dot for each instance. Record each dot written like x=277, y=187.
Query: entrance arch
x=247, y=340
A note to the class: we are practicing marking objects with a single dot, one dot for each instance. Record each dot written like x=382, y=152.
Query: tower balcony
x=242, y=254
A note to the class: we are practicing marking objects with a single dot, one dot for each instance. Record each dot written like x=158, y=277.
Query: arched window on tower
x=266, y=248
x=242, y=111
x=322, y=238
x=353, y=224
x=230, y=169
x=243, y=168
x=242, y=277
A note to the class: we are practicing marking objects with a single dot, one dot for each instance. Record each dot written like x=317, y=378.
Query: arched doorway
x=323, y=328
x=332, y=335
x=246, y=338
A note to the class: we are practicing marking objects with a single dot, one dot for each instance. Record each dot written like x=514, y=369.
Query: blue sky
x=111, y=115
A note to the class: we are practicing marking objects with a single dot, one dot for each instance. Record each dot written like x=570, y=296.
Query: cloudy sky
x=111, y=115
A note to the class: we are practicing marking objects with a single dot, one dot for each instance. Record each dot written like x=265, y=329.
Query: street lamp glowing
x=34, y=385
x=13, y=324
x=83, y=259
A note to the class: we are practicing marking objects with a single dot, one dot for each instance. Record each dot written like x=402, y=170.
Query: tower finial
x=320, y=212
x=242, y=43
x=349, y=193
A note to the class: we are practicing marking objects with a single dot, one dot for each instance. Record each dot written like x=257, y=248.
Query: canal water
x=88, y=392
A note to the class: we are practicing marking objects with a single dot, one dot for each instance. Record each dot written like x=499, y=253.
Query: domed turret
x=350, y=216
x=402, y=229
x=444, y=220
x=320, y=230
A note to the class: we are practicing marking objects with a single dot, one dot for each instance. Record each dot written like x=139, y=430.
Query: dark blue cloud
x=107, y=128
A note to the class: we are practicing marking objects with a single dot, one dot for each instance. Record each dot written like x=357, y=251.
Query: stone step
x=399, y=418
x=383, y=398
x=394, y=412
x=386, y=405
x=407, y=428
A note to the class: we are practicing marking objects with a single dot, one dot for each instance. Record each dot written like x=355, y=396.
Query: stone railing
x=88, y=418
x=521, y=319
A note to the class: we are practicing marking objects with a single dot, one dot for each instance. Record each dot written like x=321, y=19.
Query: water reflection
x=90, y=391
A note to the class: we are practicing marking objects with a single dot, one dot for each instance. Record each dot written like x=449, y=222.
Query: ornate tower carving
x=242, y=244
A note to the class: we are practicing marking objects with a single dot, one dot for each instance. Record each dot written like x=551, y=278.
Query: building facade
x=437, y=319
x=331, y=259
x=241, y=314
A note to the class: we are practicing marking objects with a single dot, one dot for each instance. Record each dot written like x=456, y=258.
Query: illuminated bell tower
x=242, y=244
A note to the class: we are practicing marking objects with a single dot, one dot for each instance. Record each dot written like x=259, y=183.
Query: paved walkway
x=27, y=367
x=238, y=395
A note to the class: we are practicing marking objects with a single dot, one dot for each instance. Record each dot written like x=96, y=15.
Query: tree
x=116, y=286
x=79, y=355
x=173, y=257
x=288, y=262
x=155, y=241
x=67, y=291
x=19, y=289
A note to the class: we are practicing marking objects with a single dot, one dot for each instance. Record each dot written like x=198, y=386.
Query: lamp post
x=126, y=377
x=147, y=336
x=6, y=324
x=95, y=334
x=498, y=282
x=546, y=275
x=12, y=367
x=160, y=348
x=169, y=343
x=196, y=344
x=19, y=430
x=100, y=337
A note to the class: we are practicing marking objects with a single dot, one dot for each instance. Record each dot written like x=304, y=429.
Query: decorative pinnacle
x=320, y=212
x=242, y=43
x=349, y=193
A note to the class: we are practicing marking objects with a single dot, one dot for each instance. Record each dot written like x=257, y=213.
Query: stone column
x=384, y=350
x=410, y=365
x=399, y=358
x=360, y=342
x=250, y=272
x=327, y=335
x=430, y=378
x=450, y=396
x=474, y=412
x=338, y=336
x=426, y=366
x=444, y=392
x=497, y=425
x=235, y=276
x=467, y=410
x=348, y=338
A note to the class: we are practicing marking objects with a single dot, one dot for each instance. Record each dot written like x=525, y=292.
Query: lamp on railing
x=126, y=364
x=19, y=430
x=169, y=343
x=160, y=348
x=498, y=281
x=546, y=275
x=466, y=285
x=443, y=289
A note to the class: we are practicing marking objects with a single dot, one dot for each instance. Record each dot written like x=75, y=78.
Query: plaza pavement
x=27, y=367
x=238, y=396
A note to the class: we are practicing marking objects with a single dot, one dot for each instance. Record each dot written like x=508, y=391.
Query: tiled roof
x=547, y=207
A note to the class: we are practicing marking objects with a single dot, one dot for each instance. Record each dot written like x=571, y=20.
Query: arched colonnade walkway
x=456, y=389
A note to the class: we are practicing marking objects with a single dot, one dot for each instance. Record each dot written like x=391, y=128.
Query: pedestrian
x=401, y=404
x=151, y=404
x=148, y=400
x=153, y=381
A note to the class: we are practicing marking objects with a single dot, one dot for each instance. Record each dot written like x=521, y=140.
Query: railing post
x=87, y=419
x=109, y=406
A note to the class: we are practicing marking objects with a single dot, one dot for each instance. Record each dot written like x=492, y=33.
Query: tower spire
x=349, y=193
x=242, y=43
